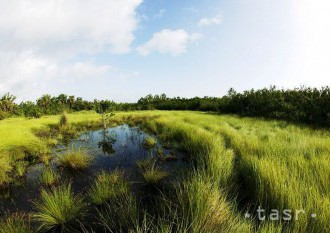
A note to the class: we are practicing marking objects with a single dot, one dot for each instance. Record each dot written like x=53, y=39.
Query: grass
x=270, y=163
x=14, y=224
x=49, y=177
x=5, y=168
x=75, y=159
x=108, y=186
x=59, y=210
x=121, y=214
x=149, y=142
x=151, y=174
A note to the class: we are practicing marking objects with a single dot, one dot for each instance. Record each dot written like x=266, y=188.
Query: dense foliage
x=308, y=105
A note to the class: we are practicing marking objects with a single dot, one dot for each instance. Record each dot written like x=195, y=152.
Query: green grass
x=75, y=159
x=5, y=167
x=149, y=142
x=14, y=224
x=270, y=163
x=108, y=186
x=49, y=177
x=59, y=210
x=151, y=174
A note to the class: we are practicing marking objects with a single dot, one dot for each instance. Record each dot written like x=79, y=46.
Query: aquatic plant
x=75, y=159
x=49, y=177
x=149, y=142
x=152, y=175
x=15, y=224
x=59, y=209
x=107, y=186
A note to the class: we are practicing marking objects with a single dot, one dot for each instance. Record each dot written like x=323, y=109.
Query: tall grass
x=269, y=163
x=59, y=210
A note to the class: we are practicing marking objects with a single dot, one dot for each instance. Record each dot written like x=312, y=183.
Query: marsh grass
x=5, y=168
x=108, y=186
x=75, y=159
x=21, y=167
x=120, y=214
x=15, y=224
x=151, y=174
x=149, y=142
x=49, y=177
x=59, y=209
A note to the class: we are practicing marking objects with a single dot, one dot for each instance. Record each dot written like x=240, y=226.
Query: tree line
x=307, y=105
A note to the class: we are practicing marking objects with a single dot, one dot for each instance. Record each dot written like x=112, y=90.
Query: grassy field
x=237, y=164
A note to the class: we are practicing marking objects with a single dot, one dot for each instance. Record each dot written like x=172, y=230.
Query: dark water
x=115, y=148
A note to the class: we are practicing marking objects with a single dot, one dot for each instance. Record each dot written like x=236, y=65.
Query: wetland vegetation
x=162, y=171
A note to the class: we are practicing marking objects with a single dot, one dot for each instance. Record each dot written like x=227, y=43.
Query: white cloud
x=42, y=40
x=210, y=21
x=174, y=42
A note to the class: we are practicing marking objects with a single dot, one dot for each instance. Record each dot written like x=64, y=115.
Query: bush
x=4, y=115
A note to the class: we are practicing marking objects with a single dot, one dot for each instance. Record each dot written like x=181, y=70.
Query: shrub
x=4, y=115
x=63, y=120
x=59, y=210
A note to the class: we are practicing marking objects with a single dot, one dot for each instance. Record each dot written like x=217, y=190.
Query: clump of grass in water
x=149, y=142
x=107, y=186
x=14, y=224
x=49, y=177
x=59, y=210
x=151, y=174
x=75, y=159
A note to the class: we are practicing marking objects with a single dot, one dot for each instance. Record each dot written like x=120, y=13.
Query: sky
x=125, y=49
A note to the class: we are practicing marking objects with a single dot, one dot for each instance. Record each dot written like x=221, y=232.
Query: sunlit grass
x=75, y=159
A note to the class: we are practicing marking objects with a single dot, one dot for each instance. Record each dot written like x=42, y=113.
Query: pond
x=114, y=148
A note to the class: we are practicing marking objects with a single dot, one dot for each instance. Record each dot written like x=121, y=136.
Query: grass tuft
x=49, y=177
x=59, y=210
x=149, y=142
x=75, y=159
x=108, y=186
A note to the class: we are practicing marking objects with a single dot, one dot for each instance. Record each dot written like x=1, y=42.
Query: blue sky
x=126, y=49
